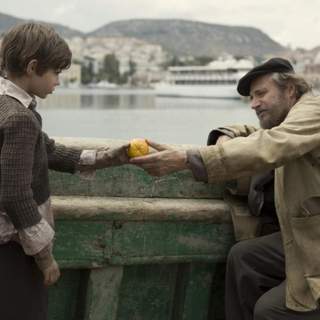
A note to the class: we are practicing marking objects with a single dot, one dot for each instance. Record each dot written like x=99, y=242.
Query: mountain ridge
x=179, y=37
x=8, y=21
x=187, y=37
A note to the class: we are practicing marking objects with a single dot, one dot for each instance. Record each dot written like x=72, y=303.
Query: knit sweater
x=25, y=157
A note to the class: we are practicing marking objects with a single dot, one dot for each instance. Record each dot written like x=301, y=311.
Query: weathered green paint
x=147, y=292
x=138, y=231
x=196, y=287
x=149, y=239
x=102, y=298
x=83, y=244
x=134, y=247
x=131, y=181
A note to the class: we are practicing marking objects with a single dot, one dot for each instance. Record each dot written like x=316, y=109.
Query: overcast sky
x=290, y=22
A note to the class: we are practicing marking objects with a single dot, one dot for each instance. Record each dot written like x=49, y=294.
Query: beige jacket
x=293, y=148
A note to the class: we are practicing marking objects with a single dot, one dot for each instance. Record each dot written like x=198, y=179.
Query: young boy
x=32, y=56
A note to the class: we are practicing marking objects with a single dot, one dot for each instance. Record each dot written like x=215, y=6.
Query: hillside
x=178, y=37
x=7, y=21
x=182, y=37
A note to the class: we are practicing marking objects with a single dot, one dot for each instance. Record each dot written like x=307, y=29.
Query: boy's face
x=42, y=85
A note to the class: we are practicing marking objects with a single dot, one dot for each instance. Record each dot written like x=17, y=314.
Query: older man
x=275, y=276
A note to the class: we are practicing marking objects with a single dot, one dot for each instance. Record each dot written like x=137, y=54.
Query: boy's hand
x=51, y=274
x=48, y=266
x=113, y=156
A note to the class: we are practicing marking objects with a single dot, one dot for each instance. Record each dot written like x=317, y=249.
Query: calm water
x=127, y=114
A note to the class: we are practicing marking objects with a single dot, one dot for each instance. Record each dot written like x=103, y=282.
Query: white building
x=146, y=57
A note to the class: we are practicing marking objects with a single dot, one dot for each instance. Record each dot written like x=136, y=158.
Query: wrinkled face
x=270, y=103
x=42, y=85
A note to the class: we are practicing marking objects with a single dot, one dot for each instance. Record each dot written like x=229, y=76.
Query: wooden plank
x=93, y=243
x=197, y=291
x=166, y=239
x=147, y=292
x=131, y=181
x=140, y=209
x=124, y=260
x=103, y=293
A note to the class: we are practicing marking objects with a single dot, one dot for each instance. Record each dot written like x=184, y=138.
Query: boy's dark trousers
x=23, y=295
x=255, y=282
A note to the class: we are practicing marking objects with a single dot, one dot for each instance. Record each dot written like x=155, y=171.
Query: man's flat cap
x=270, y=66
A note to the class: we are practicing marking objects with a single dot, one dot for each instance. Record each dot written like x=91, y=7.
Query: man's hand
x=113, y=156
x=163, y=162
x=48, y=266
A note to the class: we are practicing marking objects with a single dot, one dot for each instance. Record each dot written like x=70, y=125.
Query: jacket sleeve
x=239, y=130
x=60, y=157
x=262, y=150
x=20, y=135
x=194, y=159
x=230, y=131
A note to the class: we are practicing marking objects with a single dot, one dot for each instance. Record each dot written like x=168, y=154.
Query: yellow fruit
x=137, y=148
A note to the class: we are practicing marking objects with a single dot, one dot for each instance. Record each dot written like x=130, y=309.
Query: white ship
x=218, y=79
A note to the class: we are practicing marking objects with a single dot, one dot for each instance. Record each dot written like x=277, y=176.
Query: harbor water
x=126, y=114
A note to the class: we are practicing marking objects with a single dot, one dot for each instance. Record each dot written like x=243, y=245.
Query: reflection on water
x=130, y=114
x=111, y=100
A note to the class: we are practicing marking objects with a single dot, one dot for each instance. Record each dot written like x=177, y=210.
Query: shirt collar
x=8, y=88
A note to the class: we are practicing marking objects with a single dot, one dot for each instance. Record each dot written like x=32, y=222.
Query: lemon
x=137, y=148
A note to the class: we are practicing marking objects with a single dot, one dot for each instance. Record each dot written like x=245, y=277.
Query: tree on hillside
x=87, y=74
x=110, y=69
x=132, y=68
x=125, y=77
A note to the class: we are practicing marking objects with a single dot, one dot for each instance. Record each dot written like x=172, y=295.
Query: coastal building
x=147, y=58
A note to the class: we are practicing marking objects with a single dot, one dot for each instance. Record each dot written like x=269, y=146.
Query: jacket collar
x=8, y=88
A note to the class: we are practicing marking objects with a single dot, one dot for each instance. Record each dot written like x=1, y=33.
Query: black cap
x=270, y=66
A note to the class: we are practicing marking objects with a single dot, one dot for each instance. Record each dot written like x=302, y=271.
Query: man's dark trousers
x=255, y=282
